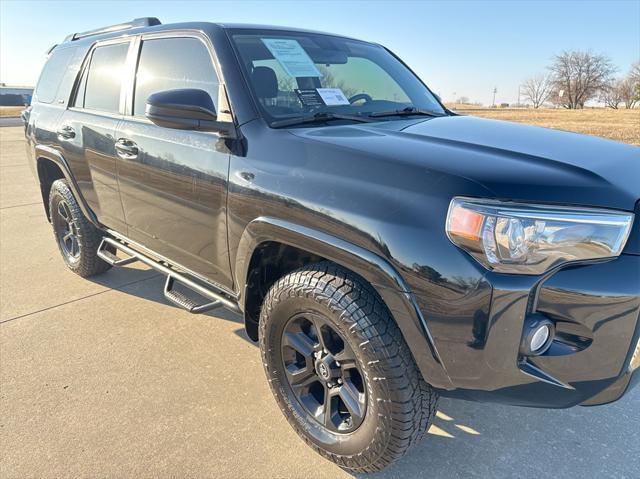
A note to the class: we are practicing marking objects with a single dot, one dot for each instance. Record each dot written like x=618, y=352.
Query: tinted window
x=171, y=63
x=105, y=78
x=52, y=74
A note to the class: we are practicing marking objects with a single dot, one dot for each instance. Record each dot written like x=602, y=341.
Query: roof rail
x=138, y=22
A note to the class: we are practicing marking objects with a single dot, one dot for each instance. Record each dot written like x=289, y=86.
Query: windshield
x=295, y=75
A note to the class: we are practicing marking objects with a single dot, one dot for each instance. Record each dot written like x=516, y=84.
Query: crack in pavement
x=18, y=206
x=115, y=288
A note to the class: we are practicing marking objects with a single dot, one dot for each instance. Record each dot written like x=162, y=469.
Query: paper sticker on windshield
x=332, y=96
x=309, y=97
x=292, y=57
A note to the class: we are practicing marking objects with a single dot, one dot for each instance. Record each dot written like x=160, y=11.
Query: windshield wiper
x=319, y=118
x=410, y=110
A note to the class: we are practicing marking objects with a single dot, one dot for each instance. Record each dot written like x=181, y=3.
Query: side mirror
x=186, y=109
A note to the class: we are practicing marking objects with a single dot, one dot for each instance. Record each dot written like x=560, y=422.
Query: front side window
x=294, y=74
x=101, y=89
x=173, y=63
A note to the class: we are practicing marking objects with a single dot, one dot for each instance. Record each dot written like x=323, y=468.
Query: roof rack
x=138, y=22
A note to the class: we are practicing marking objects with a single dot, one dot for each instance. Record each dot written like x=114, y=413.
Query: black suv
x=382, y=249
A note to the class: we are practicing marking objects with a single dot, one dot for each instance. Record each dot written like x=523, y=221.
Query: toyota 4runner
x=382, y=249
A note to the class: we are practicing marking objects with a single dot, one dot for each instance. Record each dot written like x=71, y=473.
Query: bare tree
x=330, y=81
x=611, y=94
x=628, y=91
x=634, y=76
x=580, y=76
x=537, y=89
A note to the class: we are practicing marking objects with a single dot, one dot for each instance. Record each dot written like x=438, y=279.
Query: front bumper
x=596, y=310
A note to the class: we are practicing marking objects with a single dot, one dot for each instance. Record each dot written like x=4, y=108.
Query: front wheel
x=340, y=369
x=78, y=239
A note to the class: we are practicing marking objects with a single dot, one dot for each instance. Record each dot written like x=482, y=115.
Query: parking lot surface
x=103, y=378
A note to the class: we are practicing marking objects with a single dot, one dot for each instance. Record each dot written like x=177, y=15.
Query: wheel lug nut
x=338, y=363
x=339, y=381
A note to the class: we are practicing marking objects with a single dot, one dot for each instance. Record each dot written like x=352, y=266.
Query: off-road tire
x=400, y=404
x=87, y=263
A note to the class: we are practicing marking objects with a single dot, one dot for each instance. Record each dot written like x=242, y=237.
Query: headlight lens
x=531, y=239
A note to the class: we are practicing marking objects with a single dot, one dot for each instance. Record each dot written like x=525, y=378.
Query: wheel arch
x=51, y=166
x=312, y=245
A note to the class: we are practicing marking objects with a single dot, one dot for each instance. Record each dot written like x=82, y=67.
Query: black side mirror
x=186, y=109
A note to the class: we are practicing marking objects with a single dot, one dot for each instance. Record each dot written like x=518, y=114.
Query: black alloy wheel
x=66, y=231
x=323, y=373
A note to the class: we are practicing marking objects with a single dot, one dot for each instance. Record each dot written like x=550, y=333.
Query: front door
x=173, y=183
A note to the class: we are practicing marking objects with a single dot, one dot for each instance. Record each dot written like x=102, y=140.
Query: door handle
x=126, y=149
x=66, y=132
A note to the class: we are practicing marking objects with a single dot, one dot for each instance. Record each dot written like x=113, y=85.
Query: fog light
x=537, y=335
x=540, y=337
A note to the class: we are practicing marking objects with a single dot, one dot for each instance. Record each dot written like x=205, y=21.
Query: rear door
x=174, y=182
x=87, y=130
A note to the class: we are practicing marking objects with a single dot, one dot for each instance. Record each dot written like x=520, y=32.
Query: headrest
x=264, y=82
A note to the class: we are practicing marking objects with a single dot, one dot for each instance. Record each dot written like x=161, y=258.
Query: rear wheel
x=78, y=239
x=340, y=369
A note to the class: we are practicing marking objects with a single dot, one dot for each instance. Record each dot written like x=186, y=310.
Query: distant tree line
x=575, y=77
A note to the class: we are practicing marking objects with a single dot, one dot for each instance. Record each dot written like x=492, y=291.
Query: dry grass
x=10, y=111
x=619, y=125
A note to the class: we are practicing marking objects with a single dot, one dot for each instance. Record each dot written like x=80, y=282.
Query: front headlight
x=531, y=239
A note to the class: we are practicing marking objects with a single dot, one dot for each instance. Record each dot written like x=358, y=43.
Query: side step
x=111, y=258
x=179, y=299
x=218, y=298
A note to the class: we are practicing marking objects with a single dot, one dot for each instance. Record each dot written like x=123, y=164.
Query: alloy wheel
x=67, y=231
x=323, y=373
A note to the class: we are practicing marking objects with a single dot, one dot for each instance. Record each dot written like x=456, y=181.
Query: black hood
x=513, y=161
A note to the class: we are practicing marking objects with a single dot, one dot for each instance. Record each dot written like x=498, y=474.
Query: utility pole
x=495, y=90
x=518, y=96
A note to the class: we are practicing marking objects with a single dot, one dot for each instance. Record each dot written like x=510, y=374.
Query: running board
x=218, y=299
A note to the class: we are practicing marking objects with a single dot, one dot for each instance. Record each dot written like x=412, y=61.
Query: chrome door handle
x=126, y=149
x=66, y=132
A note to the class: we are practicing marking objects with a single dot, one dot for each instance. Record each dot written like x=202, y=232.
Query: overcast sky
x=457, y=47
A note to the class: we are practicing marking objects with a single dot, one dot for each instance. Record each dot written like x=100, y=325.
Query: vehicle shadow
x=491, y=440
x=148, y=284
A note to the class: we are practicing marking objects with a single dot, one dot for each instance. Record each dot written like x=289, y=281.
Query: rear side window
x=172, y=63
x=52, y=74
x=100, y=90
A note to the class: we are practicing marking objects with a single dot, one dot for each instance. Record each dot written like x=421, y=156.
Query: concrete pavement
x=102, y=378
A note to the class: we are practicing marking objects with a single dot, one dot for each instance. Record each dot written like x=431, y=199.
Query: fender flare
x=375, y=269
x=49, y=153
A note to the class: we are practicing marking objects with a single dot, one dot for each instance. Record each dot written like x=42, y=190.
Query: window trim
x=135, y=59
x=86, y=63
